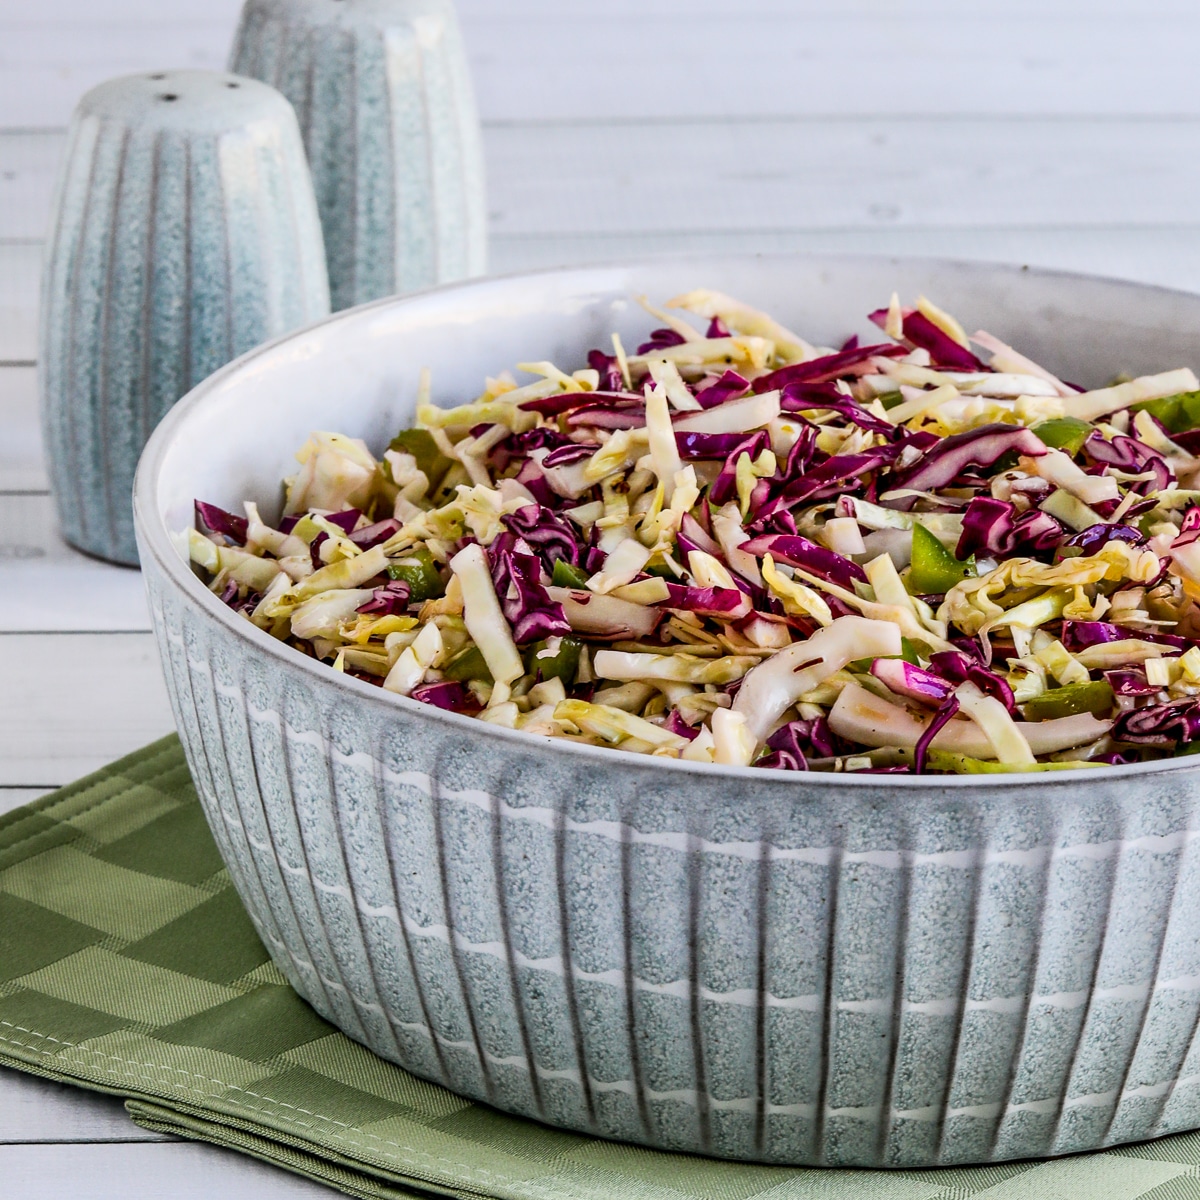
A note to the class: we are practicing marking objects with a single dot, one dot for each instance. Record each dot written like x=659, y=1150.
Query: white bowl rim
x=157, y=538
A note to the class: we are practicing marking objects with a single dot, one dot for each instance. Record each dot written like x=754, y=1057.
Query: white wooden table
x=1056, y=132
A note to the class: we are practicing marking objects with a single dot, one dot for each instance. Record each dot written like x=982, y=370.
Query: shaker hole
x=168, y=96
x=157, y=77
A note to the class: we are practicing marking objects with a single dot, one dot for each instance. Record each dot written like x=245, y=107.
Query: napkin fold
x=128, y=965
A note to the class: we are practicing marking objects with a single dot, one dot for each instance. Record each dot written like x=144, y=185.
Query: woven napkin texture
x=128, y=965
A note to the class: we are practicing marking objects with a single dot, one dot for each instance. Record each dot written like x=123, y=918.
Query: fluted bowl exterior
x=804, y=969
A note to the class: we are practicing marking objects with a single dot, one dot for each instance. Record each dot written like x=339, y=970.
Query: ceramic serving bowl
x=761, y=965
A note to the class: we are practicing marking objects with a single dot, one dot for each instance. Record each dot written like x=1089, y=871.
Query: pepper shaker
x=385, y=103
x=184, y=232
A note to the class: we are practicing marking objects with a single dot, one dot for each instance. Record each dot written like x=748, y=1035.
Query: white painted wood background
x=1057, y=132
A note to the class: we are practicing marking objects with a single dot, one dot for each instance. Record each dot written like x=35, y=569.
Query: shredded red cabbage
x=374, y=535
x=1165, y=725
x=920, y=331
x=564, y=456
x=609, y=370
x=1076, y=635
x=679, y=727
x=564, y=402
x=798, y=397
x=1129, y=683
x=1091, y=539
x=389, y=600
x=700, y=446
x=523, y=597
x=947, y=710
x=344, y=520
x=848, y=362
x=708, y=601
x=550, y=535
x=791, y=746
x=798, y=551
x=832, y=476
x=724, y=487
x=1129, y=455
x=612, y=414
x=915, y=683
x=660, y=339
x=533, y=479
x=995, y=527
x=217, y=520
x=958, y=667
x=983, y=447
x=448, y=694
x=728, y=387
x=828, y=448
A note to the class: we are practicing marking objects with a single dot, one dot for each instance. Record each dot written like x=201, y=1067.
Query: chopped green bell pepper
x=660, y=569
x=568, y=576
x=560, y=664
x=420, y=444
x=1064, y=433
x=934, y=569
x=1178, y=413
x=1095, y=698
x=466, y=665
x=908, y=653
x=964, y=764
x=420, y=572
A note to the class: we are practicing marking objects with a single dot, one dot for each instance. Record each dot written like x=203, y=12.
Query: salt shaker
x=185, y=231
x=384, y=99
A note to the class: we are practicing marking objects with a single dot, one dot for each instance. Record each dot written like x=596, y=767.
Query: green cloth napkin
x=128, y=965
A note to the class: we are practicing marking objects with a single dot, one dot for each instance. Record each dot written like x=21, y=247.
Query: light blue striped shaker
x=384, y=99
x=184, y=232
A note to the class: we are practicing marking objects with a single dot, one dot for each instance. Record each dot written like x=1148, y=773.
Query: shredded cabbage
x=717, y=549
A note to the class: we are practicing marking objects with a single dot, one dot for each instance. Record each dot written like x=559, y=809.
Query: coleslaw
x=728, y=545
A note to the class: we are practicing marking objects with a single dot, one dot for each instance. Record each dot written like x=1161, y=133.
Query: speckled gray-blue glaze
x=384, y=98
x=633, y=966
x=800, y=969
x=184, y=232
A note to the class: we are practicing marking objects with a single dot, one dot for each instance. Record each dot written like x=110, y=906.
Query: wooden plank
x=73, y=702
x=124, y=12
x=46, y=66
x=47, y=586
x=782, y=176
x=1019, y=190
x=1023, y=190
x=592, y=63
x=21, y=468
x=829, y=173
x=523, y=11
x=770, y=11
x=28, y=165
x=20, y=268
x=10, y=798
x=41, y=1110
x=827, y=62
x=840, y=174
x=146, y=1171
x=1165, y=257
x=1168, y=256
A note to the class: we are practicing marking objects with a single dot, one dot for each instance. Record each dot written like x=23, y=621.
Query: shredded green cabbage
x=735, y=546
